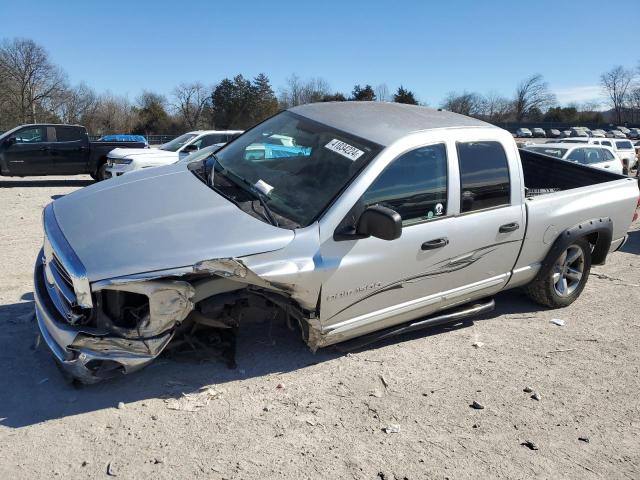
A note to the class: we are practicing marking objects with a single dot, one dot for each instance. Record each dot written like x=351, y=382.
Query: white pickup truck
x=126, y=160
x=373, y=220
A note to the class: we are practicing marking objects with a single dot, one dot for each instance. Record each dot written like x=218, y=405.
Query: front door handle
x=44, y=149
x=434, y=244
x=509, y=227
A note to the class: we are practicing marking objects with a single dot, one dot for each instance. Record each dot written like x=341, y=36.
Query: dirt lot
x=327, y=418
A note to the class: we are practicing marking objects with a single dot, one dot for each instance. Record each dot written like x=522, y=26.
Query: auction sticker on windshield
x=344, y=149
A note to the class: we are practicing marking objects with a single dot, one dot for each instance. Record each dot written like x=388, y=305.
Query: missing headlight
x=125, y=309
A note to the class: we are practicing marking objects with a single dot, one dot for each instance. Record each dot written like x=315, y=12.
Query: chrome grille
x=64, y=275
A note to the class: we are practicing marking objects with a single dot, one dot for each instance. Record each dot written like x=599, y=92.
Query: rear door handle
x=509, y=227
x=434, y=244
x=44, y=149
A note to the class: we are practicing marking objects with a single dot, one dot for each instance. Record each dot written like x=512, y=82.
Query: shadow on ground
x=45, y=183
x=34, y=391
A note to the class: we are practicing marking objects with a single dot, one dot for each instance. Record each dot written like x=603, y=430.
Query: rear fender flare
x=603, y=227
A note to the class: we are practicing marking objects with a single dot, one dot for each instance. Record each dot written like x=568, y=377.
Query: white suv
x=125, y=160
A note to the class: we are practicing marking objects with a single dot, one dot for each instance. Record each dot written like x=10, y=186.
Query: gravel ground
x=287, y=413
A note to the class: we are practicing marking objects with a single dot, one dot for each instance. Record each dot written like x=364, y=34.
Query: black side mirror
x=380, y=222
x=9, y=141
x=190, y=148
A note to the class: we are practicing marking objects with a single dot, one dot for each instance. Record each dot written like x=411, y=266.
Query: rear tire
x=566, y=279
x=102, y=172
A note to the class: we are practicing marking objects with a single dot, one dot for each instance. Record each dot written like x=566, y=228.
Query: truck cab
x=41, y=149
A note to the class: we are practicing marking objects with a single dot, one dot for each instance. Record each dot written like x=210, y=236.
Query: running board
x=454, y=315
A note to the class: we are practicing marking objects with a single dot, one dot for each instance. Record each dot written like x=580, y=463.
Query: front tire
x=102, y=172
x=566, y=279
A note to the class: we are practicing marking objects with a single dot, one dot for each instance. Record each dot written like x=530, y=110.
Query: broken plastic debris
x=557, y=321
x=192, y=402
x=393, y=428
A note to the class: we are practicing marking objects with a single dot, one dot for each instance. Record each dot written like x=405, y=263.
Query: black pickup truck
x=53, y=149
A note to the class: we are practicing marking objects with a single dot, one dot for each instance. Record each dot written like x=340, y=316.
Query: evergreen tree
x=404, y=96
x=362, y=94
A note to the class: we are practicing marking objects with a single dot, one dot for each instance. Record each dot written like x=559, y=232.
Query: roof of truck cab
x=382, y=122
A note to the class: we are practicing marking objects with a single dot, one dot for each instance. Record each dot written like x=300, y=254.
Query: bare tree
x=616, y=83
x=30, y=81
x=113, y=115
x=466, y=103
x=532, y=94
x=77, y=104
x=382, y=93
x=189, y=101
x=634, y=103
x=299, y=92
x=495, y=107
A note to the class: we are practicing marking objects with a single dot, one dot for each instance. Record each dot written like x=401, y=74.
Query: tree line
x=33, y=90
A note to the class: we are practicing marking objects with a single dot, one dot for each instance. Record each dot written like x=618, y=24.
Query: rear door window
x=607, y=155
x=69, y=134
x=592, y=155
x=414, y=185
x=484, y=176
x=626, y=145
x=577, y=155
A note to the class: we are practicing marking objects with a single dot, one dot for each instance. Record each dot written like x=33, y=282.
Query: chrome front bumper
x=86, y=353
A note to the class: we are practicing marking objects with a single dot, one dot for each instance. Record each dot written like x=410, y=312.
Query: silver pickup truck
x=350, y=220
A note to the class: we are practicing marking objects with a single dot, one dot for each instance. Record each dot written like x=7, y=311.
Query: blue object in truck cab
x=267, y=151
x=124, y=138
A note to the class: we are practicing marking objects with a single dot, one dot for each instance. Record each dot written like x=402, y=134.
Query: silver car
x=371, y=220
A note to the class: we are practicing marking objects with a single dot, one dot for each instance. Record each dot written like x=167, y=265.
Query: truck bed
x=544, y=174
x=561, y=194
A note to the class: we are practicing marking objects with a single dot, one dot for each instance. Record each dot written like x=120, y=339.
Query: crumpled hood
x=158, y=219
x=142, y=153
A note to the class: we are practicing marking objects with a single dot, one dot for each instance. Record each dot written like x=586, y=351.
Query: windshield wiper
x=237, y=180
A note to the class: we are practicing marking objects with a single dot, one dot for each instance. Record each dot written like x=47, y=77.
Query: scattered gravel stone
x=536, y=396
x=280, y=385
x=154, y=417
x=477, y=406
x=477, y=344
x=584, y=439
x=110, y=471
x=530, y=445
x=267, y=408
x=527, y=389
x=557, y=321
x=120, y=405
x=375, y=393
x=393, y=428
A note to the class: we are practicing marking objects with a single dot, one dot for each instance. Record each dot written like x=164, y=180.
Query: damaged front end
x=127, y=326
x=110, y=327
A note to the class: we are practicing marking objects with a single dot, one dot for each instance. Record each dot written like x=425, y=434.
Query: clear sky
x=430, y=47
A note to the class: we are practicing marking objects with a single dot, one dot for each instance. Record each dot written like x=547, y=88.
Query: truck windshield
x=299, y=166
x=175, y=144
